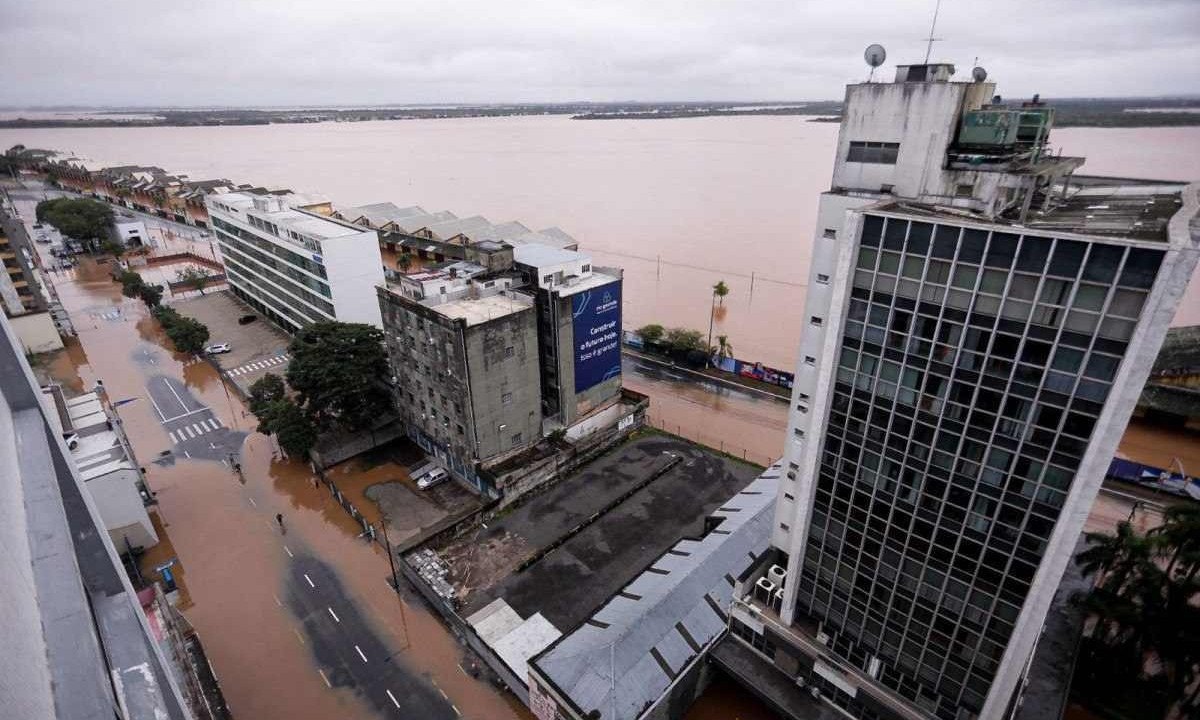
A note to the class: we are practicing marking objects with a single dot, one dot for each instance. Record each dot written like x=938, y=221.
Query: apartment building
x=980, y=320
x=286, y=257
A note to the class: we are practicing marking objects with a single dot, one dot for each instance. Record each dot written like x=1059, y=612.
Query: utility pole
x=932, y=39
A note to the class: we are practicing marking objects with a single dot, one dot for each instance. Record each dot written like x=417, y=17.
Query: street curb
x=723, y=381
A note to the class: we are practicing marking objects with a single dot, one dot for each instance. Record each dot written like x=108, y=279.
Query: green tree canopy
x=80, y=218
x=337, y=370
x=292, y=427
x=188, y=335
x=193, y=276
x=131, y=284
x=652, y=333
x=682, y=340
x=151, y=295
x=263, y=392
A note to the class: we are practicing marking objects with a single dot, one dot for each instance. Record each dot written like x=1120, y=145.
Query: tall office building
x=287, y=258
x=980, y=320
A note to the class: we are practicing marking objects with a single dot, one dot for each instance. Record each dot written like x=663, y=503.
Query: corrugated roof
x=624, y=657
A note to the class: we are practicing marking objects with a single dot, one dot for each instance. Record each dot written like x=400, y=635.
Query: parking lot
x=256, y=348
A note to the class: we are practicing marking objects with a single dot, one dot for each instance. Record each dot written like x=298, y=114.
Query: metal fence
x=712, y=441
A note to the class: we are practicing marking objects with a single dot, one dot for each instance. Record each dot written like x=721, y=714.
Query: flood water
x=714, y=198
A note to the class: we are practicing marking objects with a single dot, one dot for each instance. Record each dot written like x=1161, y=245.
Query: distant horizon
x=1186, y=96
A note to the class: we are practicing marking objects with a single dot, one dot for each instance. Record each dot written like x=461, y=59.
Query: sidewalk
x=781, y=394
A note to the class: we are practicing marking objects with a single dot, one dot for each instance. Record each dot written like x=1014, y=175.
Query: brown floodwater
x=230, y=559
x=714, y=198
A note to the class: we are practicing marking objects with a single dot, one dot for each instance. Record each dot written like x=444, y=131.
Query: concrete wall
x=494, y=375
x=355, y=268
x=37, y=332
x=930, y=111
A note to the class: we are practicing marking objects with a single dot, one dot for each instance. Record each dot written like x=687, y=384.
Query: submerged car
x=217, y=349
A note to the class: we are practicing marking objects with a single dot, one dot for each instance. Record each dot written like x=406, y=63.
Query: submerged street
x=298, y=621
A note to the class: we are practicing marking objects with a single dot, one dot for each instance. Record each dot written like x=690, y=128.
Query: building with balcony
x=980, y=321
x=286, y=257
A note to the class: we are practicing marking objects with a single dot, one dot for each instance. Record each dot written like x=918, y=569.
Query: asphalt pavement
x=194, y=429
x=348, y=653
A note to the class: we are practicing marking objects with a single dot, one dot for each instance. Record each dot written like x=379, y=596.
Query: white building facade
x=980, y=323
x=295, y=264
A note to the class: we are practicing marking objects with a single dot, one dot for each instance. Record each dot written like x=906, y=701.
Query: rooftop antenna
x=874, y=55
x=932, y=25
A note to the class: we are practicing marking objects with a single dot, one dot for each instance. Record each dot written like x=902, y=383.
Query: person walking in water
x=279, y=519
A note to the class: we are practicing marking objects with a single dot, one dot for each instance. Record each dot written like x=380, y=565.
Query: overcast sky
x=284, y=52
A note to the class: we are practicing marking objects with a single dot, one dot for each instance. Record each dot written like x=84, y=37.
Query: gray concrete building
x=463, y=349
x=980, y=321
x=77, y=645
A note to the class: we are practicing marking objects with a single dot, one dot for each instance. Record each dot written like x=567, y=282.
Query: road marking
x=172, y=434
x=299, y=636
x=187, y=454
x=182, y=405
x=289, y=552
x=327, y=683
x=183, y=415
x=310, y=582
x=277, y=602
x=156, y=407
x=360, y=653
x=455, y=709
x=199, y=428
x=393, y=697
x=212, y=423
x=464, y=672
x=252, y=502
x=443, y=692
x=335, y=617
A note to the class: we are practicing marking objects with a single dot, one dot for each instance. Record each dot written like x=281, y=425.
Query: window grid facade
x=971, y=373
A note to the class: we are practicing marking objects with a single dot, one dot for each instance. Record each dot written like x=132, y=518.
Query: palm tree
x=404, y=262
x=1180, y=532
x=724, y=347
x=720, y=290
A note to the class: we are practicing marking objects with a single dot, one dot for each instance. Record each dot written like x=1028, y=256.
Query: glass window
x=889, y=262
x=919, y=234
x=1055, y=292
x=1102, y=263
x=964, y=277
x=913, y=266
x=1127, y=303
x=945, y=242
x=893, y=234
x=866, y=258
x=872, y=231
x=1067, y=359
x=1001, y=250
x=1068, y=255
x=971, y=248
x=1101, y=367
x=993, y=282
x=1089, y=297
x=1033, y=254
x=1116, y=328
x=1023, y=286
x=1141, y=267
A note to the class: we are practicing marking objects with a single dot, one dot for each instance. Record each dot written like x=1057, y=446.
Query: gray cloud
x=282, y=52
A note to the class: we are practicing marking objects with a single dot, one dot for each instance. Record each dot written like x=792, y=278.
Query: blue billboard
x=597, y=328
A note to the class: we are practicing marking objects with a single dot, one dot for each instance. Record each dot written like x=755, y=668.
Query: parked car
x=217, y=349
x=431, y=478
x=247, y=319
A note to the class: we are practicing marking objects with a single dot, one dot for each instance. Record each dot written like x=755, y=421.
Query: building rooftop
x=626, y=655
x=445, y=225
x=477, y=311
x=540, y=256
x=288, y=216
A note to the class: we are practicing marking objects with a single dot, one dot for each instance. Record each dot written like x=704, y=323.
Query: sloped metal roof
x=623, y=658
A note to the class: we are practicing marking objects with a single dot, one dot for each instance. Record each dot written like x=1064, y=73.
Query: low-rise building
x=289, y=259
x=22, y=293
x=129, y=230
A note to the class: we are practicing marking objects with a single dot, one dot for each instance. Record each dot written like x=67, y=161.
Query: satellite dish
x=874, y=55
x=979, y=74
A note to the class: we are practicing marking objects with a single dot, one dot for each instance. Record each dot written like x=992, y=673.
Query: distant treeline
x=1073, y=112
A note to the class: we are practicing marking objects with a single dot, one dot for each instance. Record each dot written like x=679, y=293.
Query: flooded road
x=276, y=647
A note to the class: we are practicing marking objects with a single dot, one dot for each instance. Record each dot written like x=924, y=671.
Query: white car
x=217, y=349
x=431, y=478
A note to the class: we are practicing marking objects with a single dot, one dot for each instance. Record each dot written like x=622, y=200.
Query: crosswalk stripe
x=172, y=434
x=189, y=432
x=200, y=429
x=212, y=423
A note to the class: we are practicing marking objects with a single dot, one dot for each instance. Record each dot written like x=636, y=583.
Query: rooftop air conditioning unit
x=763, y=590
x=777, y=601
x=777, y=575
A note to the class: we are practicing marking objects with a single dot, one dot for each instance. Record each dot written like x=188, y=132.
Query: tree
x=151, y=295
x=291, y=427
x=263, y=392
x=114, y=248
x=405, y=261
x=85, y=220
x=720, y=290
x=193, y=276
x=651, y=333
x=337, y=370
x=188, y=335
x=682, y=340
x=131, y=283
x=724, y=347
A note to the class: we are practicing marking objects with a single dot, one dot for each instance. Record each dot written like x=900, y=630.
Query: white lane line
x=289, y=552
x=212, y=424
x=189, y=412
x=443, y=692
x=156, y=407
x=187, y=454
x=310, y=582
x=393, y=697
x=299, y=636
x=172, y=434
x=189, y=432
x=277, y=601
x=464, y=672
x=335, y=617
x=327, y=683
x=182, y=405
x=360, y=653
x=252, y=502
x=455, y=709
x=199, y=428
